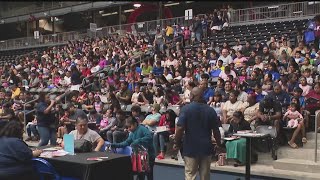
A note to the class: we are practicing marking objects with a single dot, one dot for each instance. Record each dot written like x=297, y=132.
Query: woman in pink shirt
x=238, y=61
x=304, y=86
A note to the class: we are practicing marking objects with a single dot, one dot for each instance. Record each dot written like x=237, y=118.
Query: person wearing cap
x=152, y=120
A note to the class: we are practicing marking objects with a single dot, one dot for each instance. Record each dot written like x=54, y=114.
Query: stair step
x=312, y=135
x=297, y=165
x=297, y=154
x=311, y=144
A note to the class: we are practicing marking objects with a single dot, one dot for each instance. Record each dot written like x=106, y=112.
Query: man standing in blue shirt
x=197, y=121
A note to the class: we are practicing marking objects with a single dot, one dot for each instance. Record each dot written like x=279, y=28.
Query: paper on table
x=161, y=128
x=51, y=149
x=230, y=138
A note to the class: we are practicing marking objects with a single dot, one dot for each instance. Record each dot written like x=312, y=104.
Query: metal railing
x=316, y=136
x=44, y=40
x=279, y=11
x=249, y=15
x=31, y=9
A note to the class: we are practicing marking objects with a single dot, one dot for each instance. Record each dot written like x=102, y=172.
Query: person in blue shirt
x=158, y=69
x=139, y=135
x=197, y=122
x=274, y=71
x=259, y=93
x=208, y=92
x=15, y=155
x=280, y=96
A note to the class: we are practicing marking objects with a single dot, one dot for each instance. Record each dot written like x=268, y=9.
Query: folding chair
x=43, y=168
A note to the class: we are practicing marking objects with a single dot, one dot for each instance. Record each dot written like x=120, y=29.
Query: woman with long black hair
x=159, y=138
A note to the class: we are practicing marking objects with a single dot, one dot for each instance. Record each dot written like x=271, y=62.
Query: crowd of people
x=271, y=83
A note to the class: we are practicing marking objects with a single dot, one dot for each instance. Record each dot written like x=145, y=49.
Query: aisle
x=177, y=173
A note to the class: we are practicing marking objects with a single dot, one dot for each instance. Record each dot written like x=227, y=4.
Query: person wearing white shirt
x=226, y=58
x=67, y=78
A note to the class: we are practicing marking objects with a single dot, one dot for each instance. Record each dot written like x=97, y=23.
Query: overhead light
x=172, y=4
x=101, y=12
x=297, y=12
x=98, y=29
x=272, y=7
x=136, y=5
x=109, y=14
x=1, y=41
x=187, y=2
x=2, y=21
x=313, y=2
x=128, y=10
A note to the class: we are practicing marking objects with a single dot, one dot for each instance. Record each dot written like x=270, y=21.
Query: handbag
x=82, y=146
x=222, y=159
x=140, y=160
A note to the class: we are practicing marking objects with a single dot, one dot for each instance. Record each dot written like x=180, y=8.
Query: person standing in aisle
x=197, y=122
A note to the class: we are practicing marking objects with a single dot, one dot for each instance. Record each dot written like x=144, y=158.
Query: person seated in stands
x=73, y=114
x=94, y=119
x=292, y=83
x=239, y=60
x=159, y=138
x=231, y=106
x=269, y=113
x=107, y=122
x=136, y=112
x=224, y=74
x=267, y=83
x=208, y=92
x=118, y=132
x=88, y=102
x=260, y=94
x=83, y=132
x=124, y=95
x=236, y=149
x=7, y=113
x=281, y=96
x=303, y=122
x=152, y=120
x=15, y=156
x=139, y=135
x=313, y=101
x=293, y=119
x=32, y=129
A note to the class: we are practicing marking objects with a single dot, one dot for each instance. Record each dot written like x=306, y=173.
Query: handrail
x=94, y=74
x=316, y=136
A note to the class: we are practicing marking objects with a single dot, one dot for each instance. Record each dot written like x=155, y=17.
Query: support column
x=120, y=17
x=160, y=9
x=28, y=28
x=53, y=26
x=37, y=25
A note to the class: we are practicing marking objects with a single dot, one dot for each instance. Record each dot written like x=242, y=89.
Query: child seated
x=293, y=115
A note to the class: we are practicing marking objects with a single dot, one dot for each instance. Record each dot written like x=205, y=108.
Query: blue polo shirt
x=207, y=94
x=199, y=120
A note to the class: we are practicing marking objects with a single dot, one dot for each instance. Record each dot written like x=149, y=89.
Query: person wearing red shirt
x=168, y=120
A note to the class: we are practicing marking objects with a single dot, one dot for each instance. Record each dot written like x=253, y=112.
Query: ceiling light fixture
x=171, y=4
x=109, y=14
x=137, y=5
x=128, y=10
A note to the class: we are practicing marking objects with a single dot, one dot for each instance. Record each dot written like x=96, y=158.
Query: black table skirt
x=116, y=167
